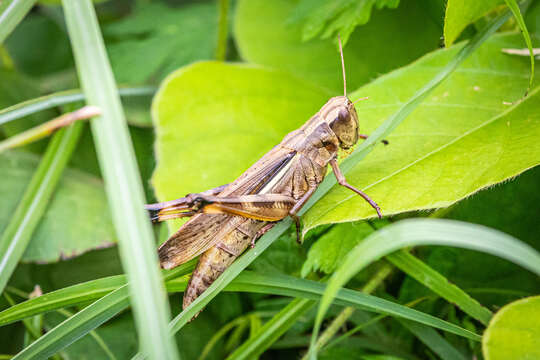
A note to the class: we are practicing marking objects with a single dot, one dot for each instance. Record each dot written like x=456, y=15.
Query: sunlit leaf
x=514, y=332
x=464, y=137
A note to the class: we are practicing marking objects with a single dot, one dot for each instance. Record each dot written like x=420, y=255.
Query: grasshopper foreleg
x=343, y=182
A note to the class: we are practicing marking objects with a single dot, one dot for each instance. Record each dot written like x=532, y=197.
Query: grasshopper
x=226, y=220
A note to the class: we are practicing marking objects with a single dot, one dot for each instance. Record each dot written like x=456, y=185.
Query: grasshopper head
x=345, y=123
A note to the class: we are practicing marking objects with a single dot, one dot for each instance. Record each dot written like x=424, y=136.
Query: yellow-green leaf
x=514, y=332
x=462, y=138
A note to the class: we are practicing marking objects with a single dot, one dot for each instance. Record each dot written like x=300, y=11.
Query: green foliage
x=392, y=38
x=514, y=332
x=80, y=202
x=214, y=119
x=330, y=19
x=156, y=39
x=332, y=248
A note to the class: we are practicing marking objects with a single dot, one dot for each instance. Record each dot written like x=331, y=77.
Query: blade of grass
x=41, y=131
x=272, y=330
x=122, y=181
x=82, y=293
x=12, y=12
x=338, y=322
x=87, y=320
x=417, y=232
x=34, y=202
x=433, y=340
x=297, y=287
x=512, y=4
x=33, y=106
x=432, y=279
x=98, y=339
x=393, y=121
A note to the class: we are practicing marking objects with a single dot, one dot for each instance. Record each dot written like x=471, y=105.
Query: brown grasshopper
x=226, y=220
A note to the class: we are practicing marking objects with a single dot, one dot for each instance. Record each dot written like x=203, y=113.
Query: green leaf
x=148, y=49
x=425, y=232
x=330, y=19
x=514, y=332
x=49, y=41
x=433, y=340
x=11, y=13
x=392, y=38
x=253, y=106
x=332, y=248
x=460, y=13
x=122, y=181
x=80, y=201
x=428, y=163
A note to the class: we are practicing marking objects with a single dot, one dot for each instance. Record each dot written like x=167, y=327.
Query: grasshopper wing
x=196, y=236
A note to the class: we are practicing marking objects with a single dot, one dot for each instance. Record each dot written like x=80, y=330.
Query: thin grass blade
x=122, y=182
x=11, y=14
x=433, y=340
x=18, y=232
x=432, y=279
x=272, y=330
x=41, y=103
x=512, y=4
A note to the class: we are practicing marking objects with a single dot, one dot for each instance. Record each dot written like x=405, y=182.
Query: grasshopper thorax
x=340, y=114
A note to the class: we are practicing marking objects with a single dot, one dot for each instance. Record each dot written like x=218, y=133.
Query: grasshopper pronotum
x=226, y=220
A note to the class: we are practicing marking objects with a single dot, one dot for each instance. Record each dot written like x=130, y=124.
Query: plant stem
x=32, y=106
x=223, y=30
x=347, y=312
x=46, y=129
x=122, y=182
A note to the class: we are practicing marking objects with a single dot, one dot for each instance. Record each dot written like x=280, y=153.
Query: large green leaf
x=464, y=137
x=77, y=219
x=208, y=134
x=514, y=332
x=392, y=38
x=460, y=13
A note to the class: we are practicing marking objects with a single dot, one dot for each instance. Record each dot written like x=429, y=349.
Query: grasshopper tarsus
x=364, y=136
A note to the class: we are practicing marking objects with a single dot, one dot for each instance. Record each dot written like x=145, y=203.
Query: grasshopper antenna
x=361, y=99
x=342, y=66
